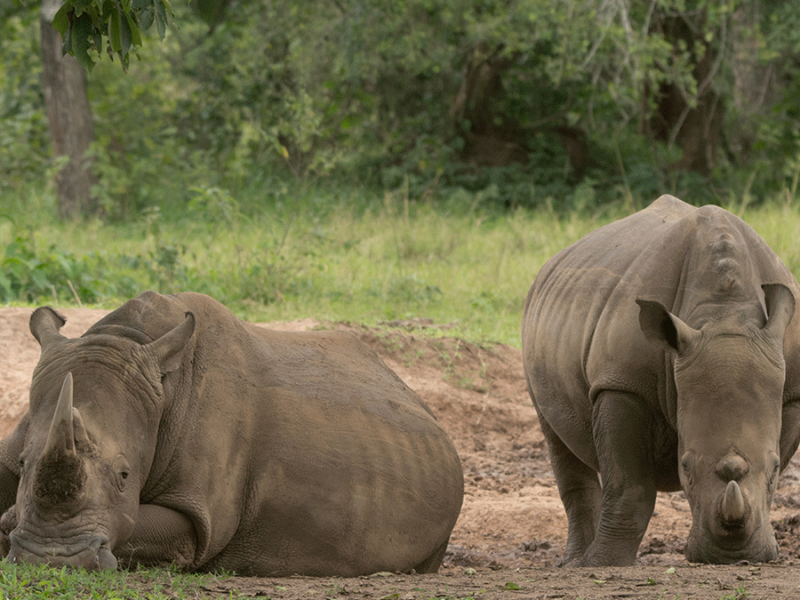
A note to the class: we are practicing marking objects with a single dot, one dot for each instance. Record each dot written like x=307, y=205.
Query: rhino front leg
x=623, y=436
x=8, y=520
x=790, y=431
x=160, y=538
x=579, y=489
x=10, y=451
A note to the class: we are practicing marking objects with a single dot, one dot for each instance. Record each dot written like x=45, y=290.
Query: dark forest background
x=563, y=104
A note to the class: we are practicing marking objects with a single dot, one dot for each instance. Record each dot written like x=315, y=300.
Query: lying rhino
x=172, y=432
x=660, y=352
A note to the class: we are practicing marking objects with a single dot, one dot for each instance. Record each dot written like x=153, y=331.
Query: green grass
x=42, y=582
x=303, y=254
x=368, y=261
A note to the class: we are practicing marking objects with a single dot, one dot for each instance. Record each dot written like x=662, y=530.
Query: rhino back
x=581, y=333
x=271, y=436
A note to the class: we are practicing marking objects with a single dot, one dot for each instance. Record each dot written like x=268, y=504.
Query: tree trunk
x=69, y=117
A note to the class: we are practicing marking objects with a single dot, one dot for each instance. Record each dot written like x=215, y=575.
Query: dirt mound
x=512, y=527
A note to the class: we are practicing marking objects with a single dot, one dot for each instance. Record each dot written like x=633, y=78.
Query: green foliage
x=352, y=89
x=360, y=92
x=88, y=27
x=31, y=275
x=24, y=142
x=140, y=157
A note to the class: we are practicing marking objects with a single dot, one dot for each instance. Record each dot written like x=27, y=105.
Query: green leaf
x=126, y=36
x=146, y=18
x=113, y=31
x=82, y=31
x=511, y=586
x=141, y=4
x=61, y=21
x=66, y=46
x=136, y=34
x=161, y=19
x=97, y=36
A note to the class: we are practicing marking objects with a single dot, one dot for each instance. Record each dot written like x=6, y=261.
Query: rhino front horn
x=61, y=437
x=732, y=509
x=60, y=474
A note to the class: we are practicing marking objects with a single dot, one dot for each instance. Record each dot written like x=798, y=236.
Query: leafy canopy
x=86, y=26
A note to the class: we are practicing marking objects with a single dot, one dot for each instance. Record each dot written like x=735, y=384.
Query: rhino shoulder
x=670, y=207
x=151, y=315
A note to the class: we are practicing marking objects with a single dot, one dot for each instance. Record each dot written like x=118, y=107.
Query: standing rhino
x=171, y=432
x=660, y=352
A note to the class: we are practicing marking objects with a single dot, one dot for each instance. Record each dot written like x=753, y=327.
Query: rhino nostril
x=732, y=468
x=105, y=559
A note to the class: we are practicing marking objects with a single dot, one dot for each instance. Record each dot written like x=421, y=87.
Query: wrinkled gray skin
x=660, y=352
x=173, y=432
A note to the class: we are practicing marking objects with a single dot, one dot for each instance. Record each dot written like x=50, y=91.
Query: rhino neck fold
x=177, y=418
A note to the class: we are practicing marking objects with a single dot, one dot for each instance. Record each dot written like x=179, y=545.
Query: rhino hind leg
x=580, y=493
x=434, y=561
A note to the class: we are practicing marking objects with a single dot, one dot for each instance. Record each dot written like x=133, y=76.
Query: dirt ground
x=512, y=527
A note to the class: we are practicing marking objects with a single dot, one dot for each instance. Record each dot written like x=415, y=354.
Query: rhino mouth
x=93, y=554
x=760, y=547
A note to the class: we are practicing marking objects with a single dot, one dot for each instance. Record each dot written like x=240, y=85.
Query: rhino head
x=90, y=443
x=729, y=377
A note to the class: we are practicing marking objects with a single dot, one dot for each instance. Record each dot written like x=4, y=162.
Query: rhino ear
x=45, y=323
x=167, y=348
x=780, y=308
x=664, y=329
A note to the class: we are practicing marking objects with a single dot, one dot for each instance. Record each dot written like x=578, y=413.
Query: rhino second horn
x=733, y=508
x=62, y=435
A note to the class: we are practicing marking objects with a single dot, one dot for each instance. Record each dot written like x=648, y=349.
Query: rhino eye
x=775, y=470
x=122, y=471
x=687, y=464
